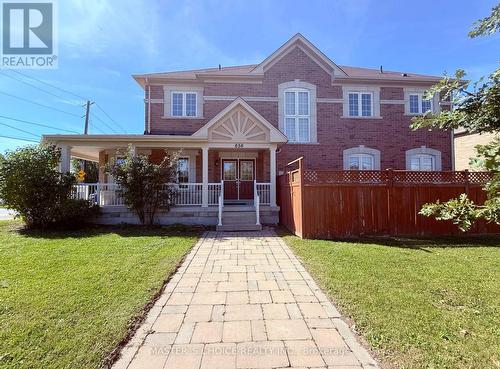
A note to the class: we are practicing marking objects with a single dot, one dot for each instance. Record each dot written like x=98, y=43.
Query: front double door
x=238, y=176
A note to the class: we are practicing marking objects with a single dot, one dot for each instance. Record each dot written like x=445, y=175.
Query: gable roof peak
x=298, y=40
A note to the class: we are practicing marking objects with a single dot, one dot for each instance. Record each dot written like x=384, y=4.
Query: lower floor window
x=183, y=170
x=361, y=162
x=422, y=162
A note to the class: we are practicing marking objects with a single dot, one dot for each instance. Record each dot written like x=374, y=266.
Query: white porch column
x=204, y=166
x=272, y=173
x=65, y=162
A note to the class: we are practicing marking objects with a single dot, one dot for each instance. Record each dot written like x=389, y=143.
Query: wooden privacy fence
x=331, y=204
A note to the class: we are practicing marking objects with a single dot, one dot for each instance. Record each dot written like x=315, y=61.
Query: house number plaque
x=238, y=146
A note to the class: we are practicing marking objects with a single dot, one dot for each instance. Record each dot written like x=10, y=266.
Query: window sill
x=302, y=143
x=348, y=117
x=188, y=118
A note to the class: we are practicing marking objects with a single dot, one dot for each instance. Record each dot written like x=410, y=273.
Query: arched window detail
x=423, y=159
x=297, y=111
x=361, y=158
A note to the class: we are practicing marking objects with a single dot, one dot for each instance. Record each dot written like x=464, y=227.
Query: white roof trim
x=312, y=51
x=275, y=134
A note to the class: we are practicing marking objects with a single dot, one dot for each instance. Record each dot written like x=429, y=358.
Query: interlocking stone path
x=243, y=300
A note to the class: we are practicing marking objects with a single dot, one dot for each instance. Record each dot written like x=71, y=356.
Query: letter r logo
x=27, y=28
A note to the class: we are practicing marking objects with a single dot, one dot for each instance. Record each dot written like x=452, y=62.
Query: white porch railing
x=221, y=202
x=264, y=192
x=256, y=202
x=102, y=194
x=106, y=194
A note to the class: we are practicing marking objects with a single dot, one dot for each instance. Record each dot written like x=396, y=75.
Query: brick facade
x=390, y=134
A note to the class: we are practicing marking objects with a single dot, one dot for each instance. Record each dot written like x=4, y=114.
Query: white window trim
x=360, y=104
x=297, y=84
x=420, y=92
x=423, y=150
x=365, y=151
x=184, y=104
x=375, y=100
x=168, y=91
x=297, y=115
x=420, y=99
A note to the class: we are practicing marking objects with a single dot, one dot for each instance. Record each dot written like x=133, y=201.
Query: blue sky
x=103, y=42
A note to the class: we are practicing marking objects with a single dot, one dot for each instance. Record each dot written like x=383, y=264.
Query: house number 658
x=238, y=146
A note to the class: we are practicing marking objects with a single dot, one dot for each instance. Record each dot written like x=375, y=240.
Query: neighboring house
x=245, y=123
x=465, y=147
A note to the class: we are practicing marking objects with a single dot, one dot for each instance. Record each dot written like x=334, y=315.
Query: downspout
x=149, y=105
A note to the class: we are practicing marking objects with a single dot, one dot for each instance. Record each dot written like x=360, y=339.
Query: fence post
x=301, y=170
x=466, y=181
x=390, y=201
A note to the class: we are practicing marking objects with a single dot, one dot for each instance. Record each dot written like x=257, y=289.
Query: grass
x=418, y=303
x=67, y=299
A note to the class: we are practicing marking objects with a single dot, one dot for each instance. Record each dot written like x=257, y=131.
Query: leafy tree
x=90, y=168
x=477, y=110
x=143, y=185
x=31, y=184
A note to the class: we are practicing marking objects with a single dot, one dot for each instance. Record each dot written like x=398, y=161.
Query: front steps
x=239, y=218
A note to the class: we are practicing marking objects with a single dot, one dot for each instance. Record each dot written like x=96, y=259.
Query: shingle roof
x=242, y=70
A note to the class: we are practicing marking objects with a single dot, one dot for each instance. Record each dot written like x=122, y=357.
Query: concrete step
x=238, y=208
x=239, y=214
x=238, y=227
x=239, y=221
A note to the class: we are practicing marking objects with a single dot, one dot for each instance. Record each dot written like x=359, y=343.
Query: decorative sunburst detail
x=238, y=125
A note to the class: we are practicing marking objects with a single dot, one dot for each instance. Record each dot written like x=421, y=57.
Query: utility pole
x=87, y=117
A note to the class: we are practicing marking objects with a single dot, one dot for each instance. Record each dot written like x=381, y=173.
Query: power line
x=118, y=125
x=37, y=124
x=19, y=129
x=103, y=122
x=48, y=84
x=38, y=88
x=71, y=93
x=94, y=126
x=18, y=138
x=42, y=105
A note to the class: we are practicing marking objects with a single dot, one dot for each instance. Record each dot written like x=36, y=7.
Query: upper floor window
x=361, y=101
x=419, y=105
x=184, y=104
x=361, y=158
x=360, y=104
x=297, y=115
x=423, y=159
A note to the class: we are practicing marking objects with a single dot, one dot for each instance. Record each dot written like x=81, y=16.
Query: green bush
x=143, y=184
x=31, y=185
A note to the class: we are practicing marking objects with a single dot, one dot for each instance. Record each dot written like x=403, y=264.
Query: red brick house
x=242, y=124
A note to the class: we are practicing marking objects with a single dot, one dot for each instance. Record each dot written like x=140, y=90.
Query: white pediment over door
x=239, y=122
x=238, y=125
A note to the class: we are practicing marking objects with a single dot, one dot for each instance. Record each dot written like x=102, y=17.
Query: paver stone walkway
x=243, y=300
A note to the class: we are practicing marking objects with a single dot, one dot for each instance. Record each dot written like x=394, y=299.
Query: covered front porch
x=227, y=166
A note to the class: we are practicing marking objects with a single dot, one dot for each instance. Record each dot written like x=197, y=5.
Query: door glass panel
x=229, y=171
x=246, y=170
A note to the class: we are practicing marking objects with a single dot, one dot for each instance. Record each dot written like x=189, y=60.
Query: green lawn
x=419, y=304
x=67, y=299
